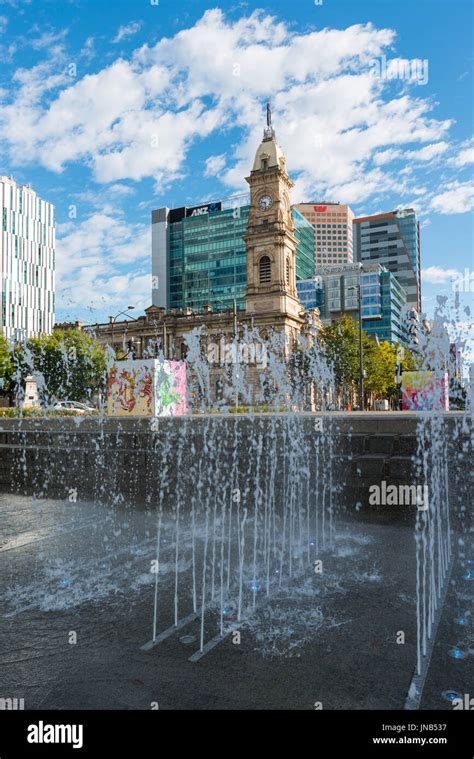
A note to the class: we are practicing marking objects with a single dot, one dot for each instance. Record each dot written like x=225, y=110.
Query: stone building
x=272, y=304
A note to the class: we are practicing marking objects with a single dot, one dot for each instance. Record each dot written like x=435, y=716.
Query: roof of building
x=270, y=150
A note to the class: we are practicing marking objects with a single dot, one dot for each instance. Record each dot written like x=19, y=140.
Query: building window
x=265, y=270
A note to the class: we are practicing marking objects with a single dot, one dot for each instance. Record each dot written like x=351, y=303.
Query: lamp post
x=361, y=353
x=234, y=313
x=235, y=334
x=113, y=319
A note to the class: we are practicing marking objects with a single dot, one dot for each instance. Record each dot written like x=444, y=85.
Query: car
x=78, y=408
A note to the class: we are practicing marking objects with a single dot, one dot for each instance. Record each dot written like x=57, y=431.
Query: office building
x=334, y=291
x=199, y=254
x=276, y=244
x=332, y=225
x=27, y=252
x=392, y=240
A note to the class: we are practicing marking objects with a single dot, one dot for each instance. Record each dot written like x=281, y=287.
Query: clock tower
x=270, y=239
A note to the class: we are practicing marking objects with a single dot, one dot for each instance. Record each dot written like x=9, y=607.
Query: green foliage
x=72, y=363
x=340, y=345
x=6, y=366
x=15, y=411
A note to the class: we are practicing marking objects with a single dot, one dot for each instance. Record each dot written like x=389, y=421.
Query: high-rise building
x=393, y=240
x=276, y=245
x=27, y=252
x=199, y=254
x=332, y=224
x=334, y=291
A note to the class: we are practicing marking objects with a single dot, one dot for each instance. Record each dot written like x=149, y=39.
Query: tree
x=72, y=363
x=340, y=344
x=6, y=366
x=378, y=366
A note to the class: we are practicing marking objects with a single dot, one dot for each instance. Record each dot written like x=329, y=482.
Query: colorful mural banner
x=147, y=388
x=425, y=391
x=170, y=389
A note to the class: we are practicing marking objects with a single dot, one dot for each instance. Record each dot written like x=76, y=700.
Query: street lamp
x=113, y=319
x=234, y=311
x=235, y=335
x=361, y=354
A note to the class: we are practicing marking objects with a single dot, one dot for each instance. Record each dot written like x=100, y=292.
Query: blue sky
x=112, y=108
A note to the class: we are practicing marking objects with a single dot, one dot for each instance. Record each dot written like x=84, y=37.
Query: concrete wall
x=143, y=462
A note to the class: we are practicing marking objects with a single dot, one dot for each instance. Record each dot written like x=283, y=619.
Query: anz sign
x=202, y=210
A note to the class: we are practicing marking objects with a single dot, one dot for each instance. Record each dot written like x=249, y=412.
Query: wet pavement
x=77, y=596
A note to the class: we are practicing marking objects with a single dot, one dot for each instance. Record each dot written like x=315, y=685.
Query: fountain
x=230, y=522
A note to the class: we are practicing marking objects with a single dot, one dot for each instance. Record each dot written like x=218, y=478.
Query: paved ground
x=78, y=568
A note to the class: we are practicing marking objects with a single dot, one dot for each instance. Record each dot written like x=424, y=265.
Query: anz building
x=199, y=255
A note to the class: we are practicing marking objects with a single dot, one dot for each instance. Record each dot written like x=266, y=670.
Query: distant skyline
x=111, y=109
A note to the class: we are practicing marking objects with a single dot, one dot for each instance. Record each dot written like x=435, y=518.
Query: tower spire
x=269, y=132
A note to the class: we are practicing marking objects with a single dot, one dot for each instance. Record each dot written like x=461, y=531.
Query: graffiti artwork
x=147, y=388
x=424, y=391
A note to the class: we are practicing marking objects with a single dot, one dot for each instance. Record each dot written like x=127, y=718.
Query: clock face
x=265, y=202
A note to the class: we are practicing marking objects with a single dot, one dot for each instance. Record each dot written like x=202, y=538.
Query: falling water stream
x=248, y=504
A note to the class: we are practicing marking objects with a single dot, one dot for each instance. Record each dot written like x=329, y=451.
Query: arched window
x=288, y=277
x=265, y=270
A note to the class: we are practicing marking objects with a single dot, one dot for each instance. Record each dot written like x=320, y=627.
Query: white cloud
x=139, y=118
x=120, y=189
x=3, y=23
x=427, y=153
x=127, y=30
x=386, y=156
x=436, y=275
x=46, y=39
x=464, y=157
x=88, y=52
x=214, y=165
x=93, y=257
x=457, y=197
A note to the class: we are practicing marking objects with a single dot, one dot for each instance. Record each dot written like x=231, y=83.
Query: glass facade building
x=199, y=255
x=305, y=261
x=207, y=261
x=334, y=292
x=392, y=240
x=27, y=256
x=311, y=293
x=389, y=326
